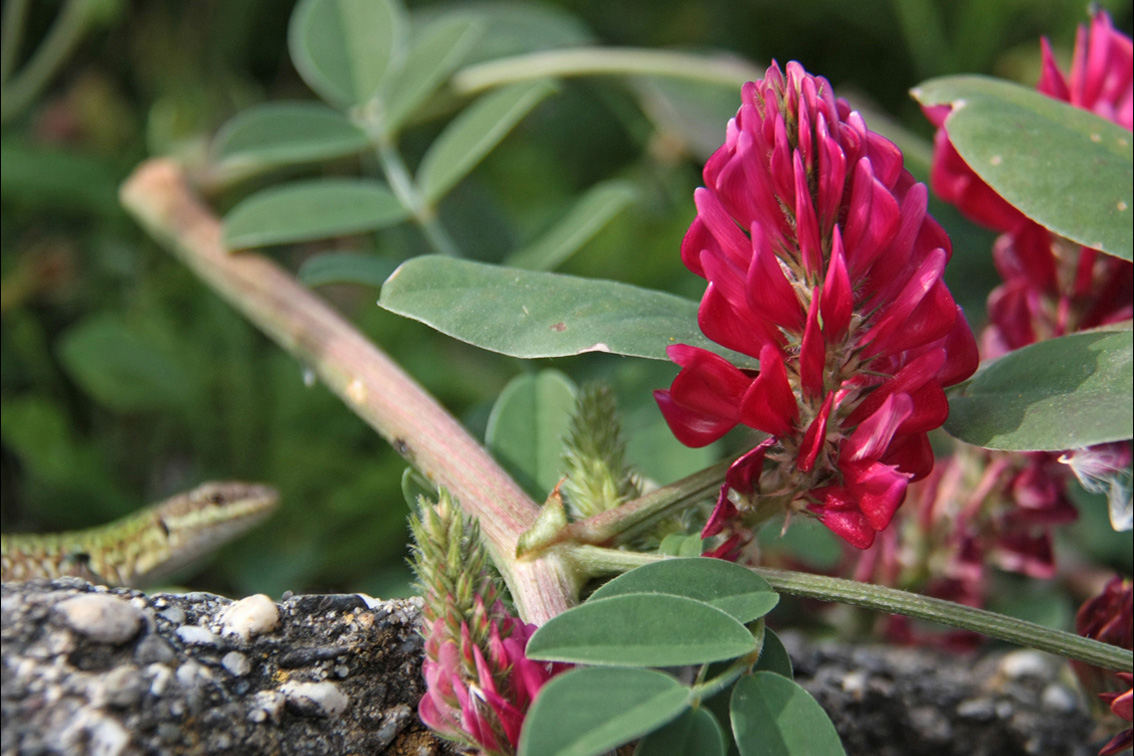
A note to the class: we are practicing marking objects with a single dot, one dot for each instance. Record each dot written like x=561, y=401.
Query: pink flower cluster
x=479, y=696
x=824, y=265
x=1051, y=287
x=979, y=507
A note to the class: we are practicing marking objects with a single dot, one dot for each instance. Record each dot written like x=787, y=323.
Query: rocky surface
x=114, y=672
x=888, y=701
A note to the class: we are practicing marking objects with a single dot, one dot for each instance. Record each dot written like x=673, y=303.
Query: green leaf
x=586, y=712
x=773, y=716
x=438, y=48
x=694, y=732
x=416, y=486
x=306, y=210
x=474, y=133
x=535, y=314
x=125, y=368
x=60, y=179
x=678, y=545
x=1064, y=393
x=343, y=48
x=729, y=587
x=527, y=427
x=285, y=133
x=1065, y=168
x=345, y=267
x=774, y=657
x=586, y=218
x=641, y=630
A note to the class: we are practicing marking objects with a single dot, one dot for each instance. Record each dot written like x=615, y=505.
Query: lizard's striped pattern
x=146, y=547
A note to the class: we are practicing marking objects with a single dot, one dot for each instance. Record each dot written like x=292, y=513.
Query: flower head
x=479, y=683
x=824, y=265
x=1100, y=81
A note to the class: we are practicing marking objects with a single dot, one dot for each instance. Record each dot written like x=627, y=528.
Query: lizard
x=144, y=547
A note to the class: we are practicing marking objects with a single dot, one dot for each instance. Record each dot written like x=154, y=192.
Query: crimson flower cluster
x=1051, y=286
x=823, y=264
x=980, y=507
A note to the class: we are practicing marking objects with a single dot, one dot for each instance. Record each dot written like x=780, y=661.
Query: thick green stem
x=591, y=61
x=363, y=376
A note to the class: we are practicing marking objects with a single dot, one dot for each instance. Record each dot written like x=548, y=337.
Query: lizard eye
x=216, y=498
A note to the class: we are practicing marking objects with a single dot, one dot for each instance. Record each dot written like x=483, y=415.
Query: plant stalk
x=361, y=374
x=598, y=561
x=591, y=61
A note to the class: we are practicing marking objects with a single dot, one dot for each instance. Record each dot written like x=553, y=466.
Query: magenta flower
x=822, y=263
x=1051, y=286
x=479, y=683
x=1101, y=81
x=479, y=696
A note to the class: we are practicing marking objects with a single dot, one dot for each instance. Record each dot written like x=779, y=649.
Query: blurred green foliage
x=125, y=379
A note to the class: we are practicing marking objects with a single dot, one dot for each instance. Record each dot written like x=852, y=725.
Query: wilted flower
x=824, y=265
x=479, y=683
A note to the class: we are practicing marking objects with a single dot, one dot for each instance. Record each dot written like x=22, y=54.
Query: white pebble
x=236, y=663
x=250, y=616
x=102, y=618
x=1024, y=663
x=195, y=635
x=322, y=698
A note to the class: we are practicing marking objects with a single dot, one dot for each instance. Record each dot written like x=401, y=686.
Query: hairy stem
x=361, y=374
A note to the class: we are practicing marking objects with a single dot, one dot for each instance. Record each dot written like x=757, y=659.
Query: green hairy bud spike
x=594, y=455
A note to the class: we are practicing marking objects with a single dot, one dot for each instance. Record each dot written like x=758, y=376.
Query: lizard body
x=145, y=547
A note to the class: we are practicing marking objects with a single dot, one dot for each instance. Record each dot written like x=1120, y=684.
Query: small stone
x=395, y=721
x=102, y=618
x=980, y=709
x=123, y=686
x=321, y=699
x=153, y=650
x=1058, y=698
x=107, y=737
x=162, y=675
x=855, y=684
x=174, y=614
x=236, y=663
x=250, y=617
x=1024, y=663
x=195, y=635
x=308, y=656
x=267, y=705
